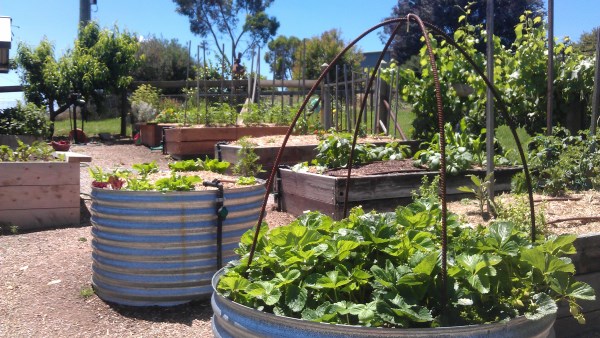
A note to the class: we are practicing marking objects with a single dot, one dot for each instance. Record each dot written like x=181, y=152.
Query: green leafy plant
x=243, y=180
x=213, y=165
x=145, y=102
x=333, y=151
x=463, y=150
x=145, y=169
x=23, y=119
x=516, y=210
x=482, y=192
x=185, y=165
x=562, y=162
x=519, y=75
x=37, y=151
x=216, y=166
x=383, y=270
x=247, y=164
x=86, y=292
x=177, y=182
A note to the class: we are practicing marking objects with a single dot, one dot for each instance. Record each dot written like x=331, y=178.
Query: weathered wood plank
x=25, y=197
x=34, y=219
x=593, y=279
x=587, y=258
x=568, y=327
x=315, y=187
x=181, y=150
x=38, y=173
x=191, y=134
x=379, y=192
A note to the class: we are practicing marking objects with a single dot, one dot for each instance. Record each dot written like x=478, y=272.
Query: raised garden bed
x=189, y=142
x=38, y=195
x=295, y=152
x=383, y=189
x=151, y=134
x=587, y=267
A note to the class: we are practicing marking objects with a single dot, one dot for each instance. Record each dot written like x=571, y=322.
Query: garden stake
x=221, y=212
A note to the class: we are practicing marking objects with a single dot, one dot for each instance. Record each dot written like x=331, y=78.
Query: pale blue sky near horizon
x=57, y=20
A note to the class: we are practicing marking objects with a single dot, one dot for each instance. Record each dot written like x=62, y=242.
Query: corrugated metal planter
x=152, y=248
x=233, y=320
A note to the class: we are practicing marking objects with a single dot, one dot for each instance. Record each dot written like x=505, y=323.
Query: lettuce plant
x=384, y=270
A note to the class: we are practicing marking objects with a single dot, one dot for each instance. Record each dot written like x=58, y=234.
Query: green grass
x=91, y=128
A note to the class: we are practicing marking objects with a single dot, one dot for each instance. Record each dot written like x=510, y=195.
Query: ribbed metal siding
x=152, y=248
x=232, y=320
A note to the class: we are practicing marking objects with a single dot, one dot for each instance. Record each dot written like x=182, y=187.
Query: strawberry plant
x=383, y=270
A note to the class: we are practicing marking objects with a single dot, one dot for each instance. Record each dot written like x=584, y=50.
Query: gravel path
x=45, y=276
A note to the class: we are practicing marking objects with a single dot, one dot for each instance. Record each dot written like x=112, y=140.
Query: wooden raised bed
x=37, y=195
x=151, y=133
x=298, y=192
x=292, y=154
x=189, y=142
x=587, y=267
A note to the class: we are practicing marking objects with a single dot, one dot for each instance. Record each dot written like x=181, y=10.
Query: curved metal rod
x=363, y=105
x=269, y=184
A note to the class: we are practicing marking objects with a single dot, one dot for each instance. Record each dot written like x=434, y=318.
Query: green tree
x=323, y=49
x=101, y=62
x=163, y=60
x=281, y=56
x=44, y=82
x=445, y=14
x=220, y=19
x=587, y=42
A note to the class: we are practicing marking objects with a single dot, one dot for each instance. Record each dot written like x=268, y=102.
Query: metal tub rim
x=272, y=325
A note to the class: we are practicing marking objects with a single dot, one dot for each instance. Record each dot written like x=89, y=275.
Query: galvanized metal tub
x=152, y=248
x=233, y=320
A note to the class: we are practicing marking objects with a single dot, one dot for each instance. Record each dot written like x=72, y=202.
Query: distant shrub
x=24, y=119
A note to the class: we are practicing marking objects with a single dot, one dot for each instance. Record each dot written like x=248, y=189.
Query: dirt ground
x=45, y=276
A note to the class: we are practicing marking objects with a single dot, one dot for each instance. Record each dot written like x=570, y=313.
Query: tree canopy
x=100, y=60
x=162, y=60
x=281, y=56
x=587, y=42
x=322, y=49
x=220, y=19
x=445, y=14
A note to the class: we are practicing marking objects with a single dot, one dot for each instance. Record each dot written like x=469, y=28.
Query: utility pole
x=85, y=12
x=549, y=93
x=489, y=106
x=596, y=97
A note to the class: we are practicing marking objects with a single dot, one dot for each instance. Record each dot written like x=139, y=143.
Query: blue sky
x=57, y=20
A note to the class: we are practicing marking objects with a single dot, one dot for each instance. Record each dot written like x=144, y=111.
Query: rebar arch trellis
x=424, y=26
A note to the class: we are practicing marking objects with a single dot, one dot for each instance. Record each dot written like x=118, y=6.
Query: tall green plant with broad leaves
x=519, y=75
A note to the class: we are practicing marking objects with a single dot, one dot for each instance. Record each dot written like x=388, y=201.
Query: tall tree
x=587, y=42
x=100, y=59
x=281, y=56
x=220, y=19
x=44, y=83
x=162, y=60
x=445, y=14
x=322, y=49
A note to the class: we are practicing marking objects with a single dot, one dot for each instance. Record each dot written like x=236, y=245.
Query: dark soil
x=377, y=168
